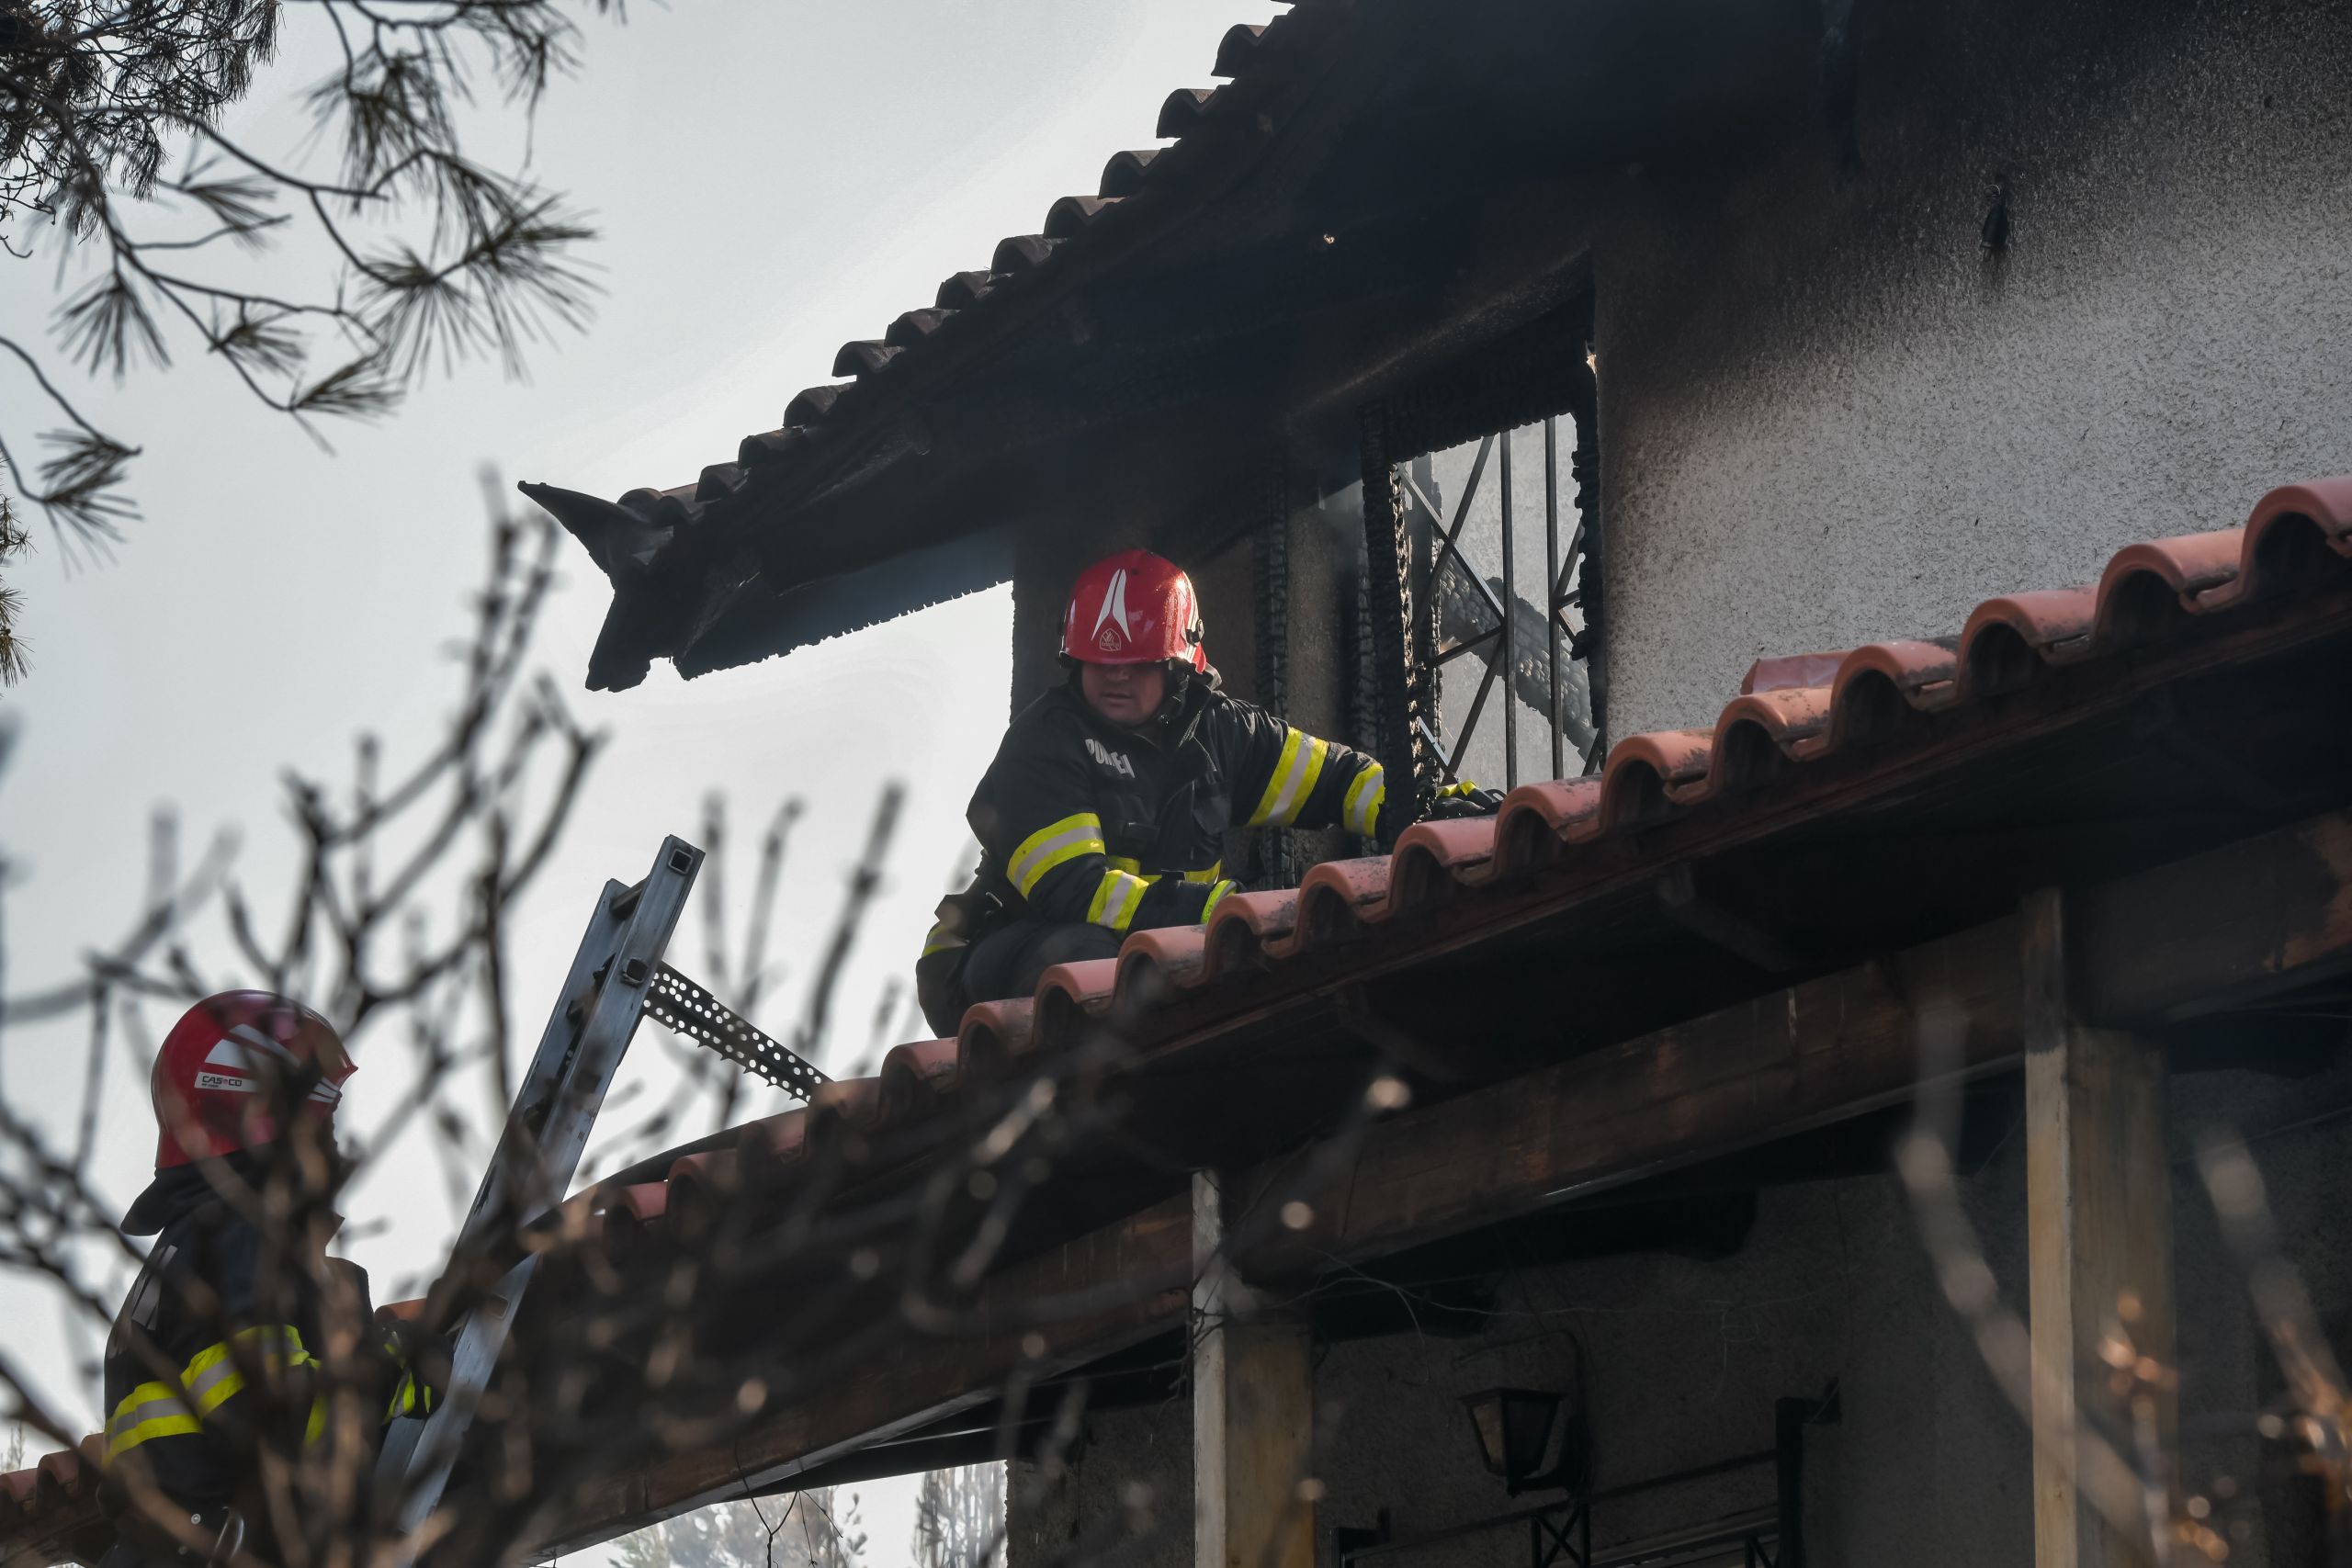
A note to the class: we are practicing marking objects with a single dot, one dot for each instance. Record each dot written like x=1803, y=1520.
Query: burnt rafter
x=1718, y=923
x=1283, y=322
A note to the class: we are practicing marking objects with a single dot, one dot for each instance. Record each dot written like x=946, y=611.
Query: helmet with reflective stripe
x=231, y=1064
x=1134, y=608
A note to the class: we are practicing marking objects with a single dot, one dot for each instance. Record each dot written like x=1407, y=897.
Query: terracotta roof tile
x=914, y=326
x=914, y=1077
x=1235, y=50
x=1124, y=175
x=1333, y=899
x=963, y=290
x=1072, y=214
x=813, y=403
x=864, y=358
x=1020, y=254
x=996, y=1038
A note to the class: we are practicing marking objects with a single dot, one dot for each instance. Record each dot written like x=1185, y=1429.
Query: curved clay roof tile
x=1433, y=858
x=916, y=325
x=814, y=404
x=770, y=446
x=1022, y=252
x=1182, y=111
x=1124, y=175
x=996, y=1036
x=1336, y=896
x=863, y=356
x=1236, y=49
x=964, y=290
x=718, y=480
x=1073, y=213
x=916, y=1077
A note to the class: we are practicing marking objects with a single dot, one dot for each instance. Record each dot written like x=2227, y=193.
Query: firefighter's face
x=1124, y=694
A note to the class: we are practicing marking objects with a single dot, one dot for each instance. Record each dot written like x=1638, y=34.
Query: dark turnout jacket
x=213, y=1310
x=1082, y=820
x=219, y=1309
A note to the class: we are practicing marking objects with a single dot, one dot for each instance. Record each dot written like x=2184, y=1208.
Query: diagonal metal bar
x=1569, y=562
x=1470, y=723
x=1469, y=490
x=1449, y=543
x=684, y=1007
x=1454, y=650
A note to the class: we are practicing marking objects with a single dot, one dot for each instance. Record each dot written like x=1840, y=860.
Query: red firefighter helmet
x=1134, y=608
x=228, y=1065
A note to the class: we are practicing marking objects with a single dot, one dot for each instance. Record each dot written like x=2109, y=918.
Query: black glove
x=1463, y=799
x=420, y=1363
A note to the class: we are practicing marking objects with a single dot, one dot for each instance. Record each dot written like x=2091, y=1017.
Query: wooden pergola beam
x=2099, y=1237
x=1253, y=1412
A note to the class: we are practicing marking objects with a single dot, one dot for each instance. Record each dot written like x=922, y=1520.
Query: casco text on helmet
x=229, y=1067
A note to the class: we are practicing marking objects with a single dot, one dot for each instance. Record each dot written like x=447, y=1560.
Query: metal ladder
x=617, y=977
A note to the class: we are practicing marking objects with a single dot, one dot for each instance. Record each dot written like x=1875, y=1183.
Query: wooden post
x=1252, y=1415
x=2098, y=1211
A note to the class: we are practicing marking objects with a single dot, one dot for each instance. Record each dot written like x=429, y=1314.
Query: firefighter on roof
x=1106, y=807
x=245, y=1359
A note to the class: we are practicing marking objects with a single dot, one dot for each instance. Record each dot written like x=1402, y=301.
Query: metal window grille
x=1498, y=560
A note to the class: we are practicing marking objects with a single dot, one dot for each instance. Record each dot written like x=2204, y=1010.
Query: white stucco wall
x=1829, y=415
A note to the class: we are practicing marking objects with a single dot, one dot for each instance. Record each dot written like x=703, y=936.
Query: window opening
x=1509, y=582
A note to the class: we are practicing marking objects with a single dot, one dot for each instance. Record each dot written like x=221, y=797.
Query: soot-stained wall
x=1829, y=413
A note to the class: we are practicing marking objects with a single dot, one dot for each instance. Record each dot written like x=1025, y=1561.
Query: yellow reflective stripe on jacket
x=1295, y=775
x=1216, y=897
x=149, y=1410
x=212, y=1378
x=1206, y=874
x=1360, y=808
x=940, y=938
x=1052, y=845
x=1115, y=899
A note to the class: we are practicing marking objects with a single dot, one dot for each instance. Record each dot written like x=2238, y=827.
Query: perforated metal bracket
x=687, y=1008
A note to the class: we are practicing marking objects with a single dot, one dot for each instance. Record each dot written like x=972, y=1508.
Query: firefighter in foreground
x=1106, y=807
x=246, y=1380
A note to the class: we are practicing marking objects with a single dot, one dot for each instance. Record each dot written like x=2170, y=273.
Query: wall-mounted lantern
x=1532, y=1439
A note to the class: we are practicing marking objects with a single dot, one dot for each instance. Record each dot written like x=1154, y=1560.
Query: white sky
x=772, y=179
